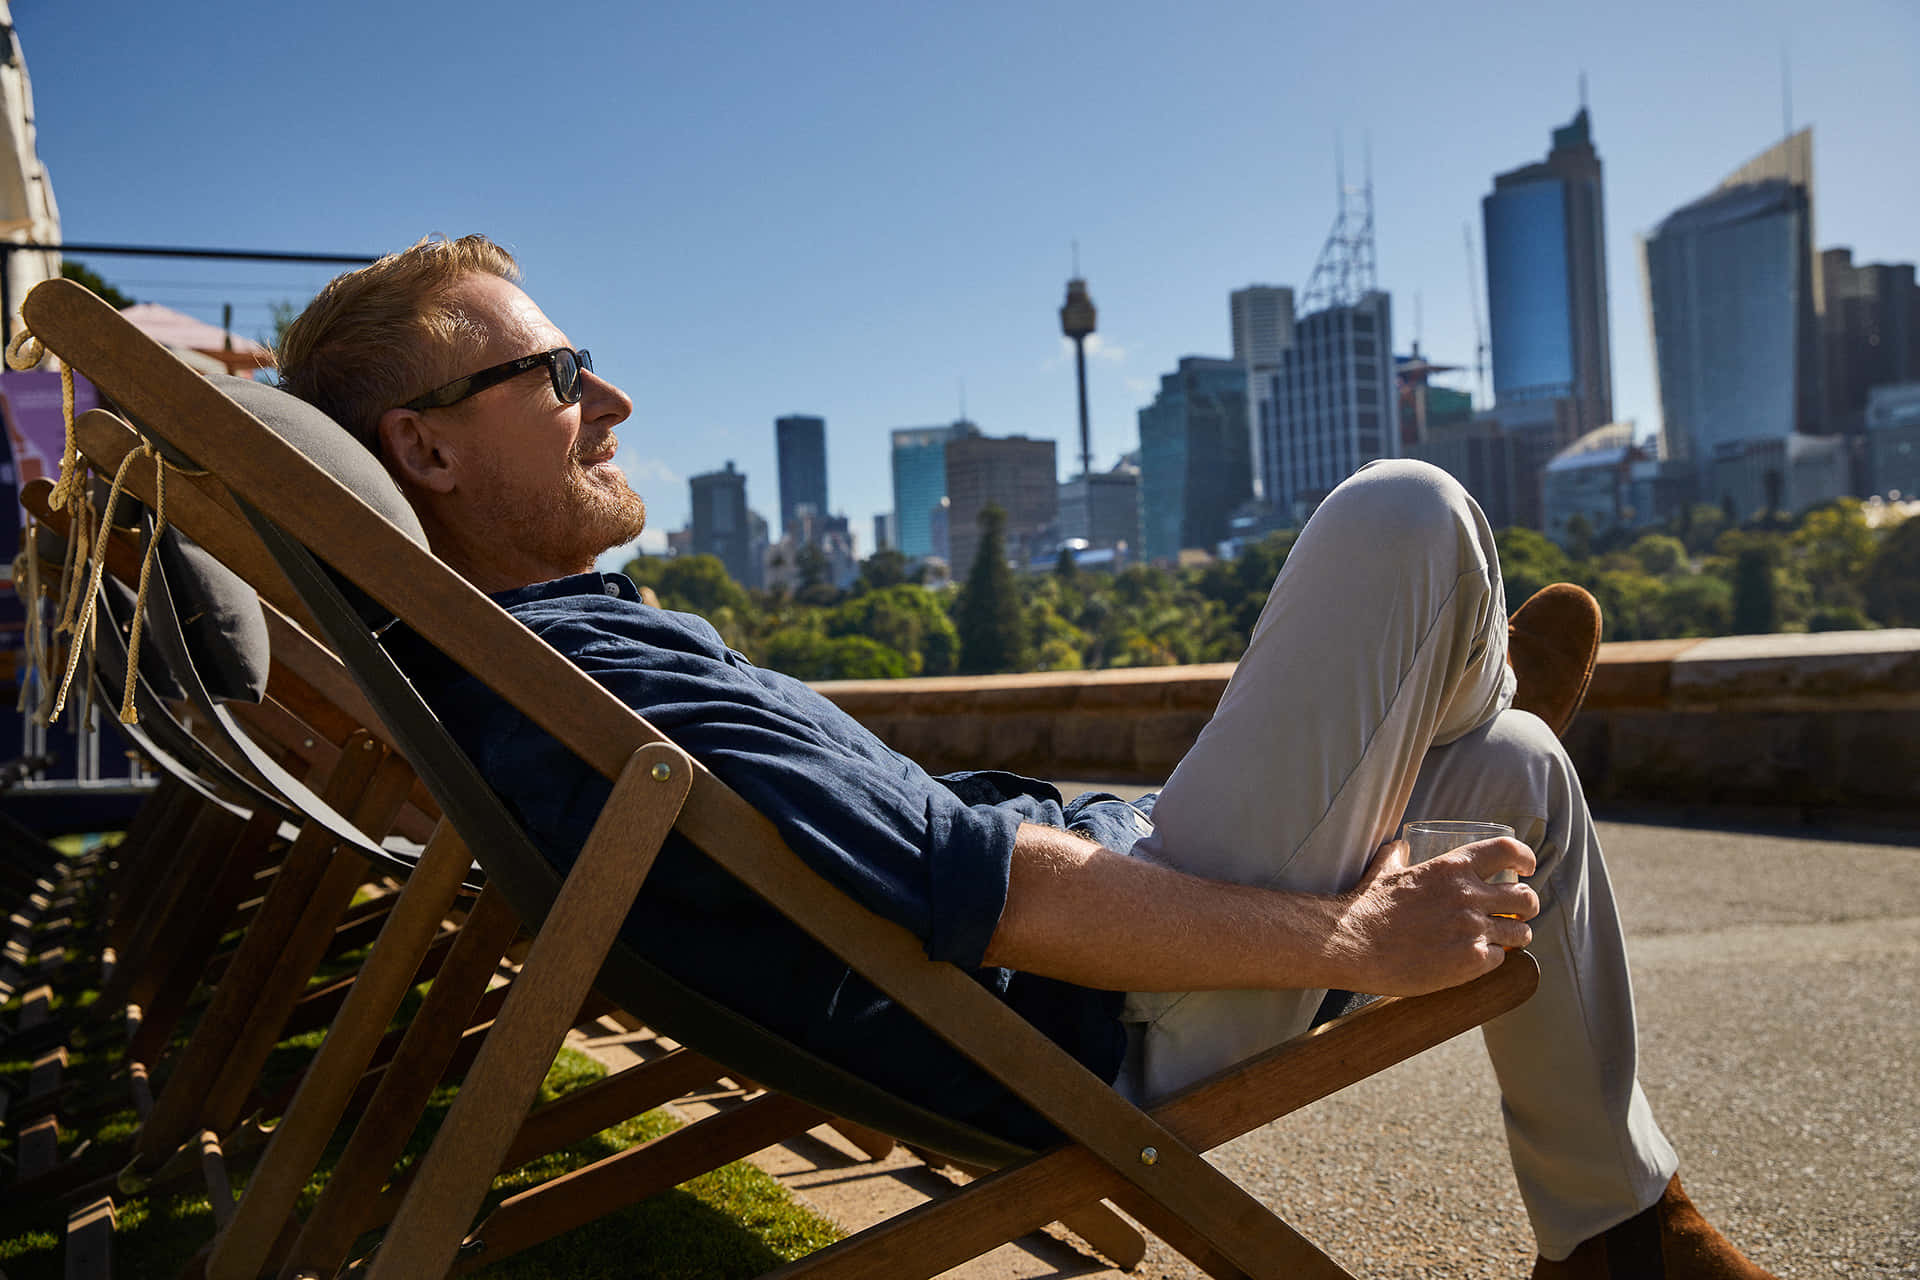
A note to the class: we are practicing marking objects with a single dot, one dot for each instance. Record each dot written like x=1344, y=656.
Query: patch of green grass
x=733, y=1222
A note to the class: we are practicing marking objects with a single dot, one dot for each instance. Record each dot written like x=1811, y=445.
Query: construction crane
x=1479, y=332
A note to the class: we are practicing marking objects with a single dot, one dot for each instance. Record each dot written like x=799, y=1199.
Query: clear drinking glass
x=1432, y=837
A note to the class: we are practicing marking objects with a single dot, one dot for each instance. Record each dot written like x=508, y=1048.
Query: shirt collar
x=578, y=584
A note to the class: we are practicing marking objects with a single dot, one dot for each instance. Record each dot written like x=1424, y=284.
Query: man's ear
x=412, y=450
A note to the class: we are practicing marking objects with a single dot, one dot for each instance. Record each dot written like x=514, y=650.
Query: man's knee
x=1403, y=507
x=1512, y=765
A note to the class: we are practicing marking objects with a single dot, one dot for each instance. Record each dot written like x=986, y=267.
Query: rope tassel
x=87, y=543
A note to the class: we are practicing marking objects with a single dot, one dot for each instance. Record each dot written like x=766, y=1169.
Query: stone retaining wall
x=1824, y=723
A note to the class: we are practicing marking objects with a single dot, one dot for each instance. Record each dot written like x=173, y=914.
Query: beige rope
x=87, y=544
x=26, y=571
x=26, y=352
x=96, y=571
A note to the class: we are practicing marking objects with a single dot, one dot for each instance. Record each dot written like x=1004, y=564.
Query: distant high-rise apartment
x=1018, y=474
x=882, y=530
x=722, y=525
x=1262, y=317
x=1547, y=280
x=1194, y=457
x=1871, y=327
x=1335, y=403
x=1102, y=509
x=919, y=482
x=801, y=441
x=1732, y=288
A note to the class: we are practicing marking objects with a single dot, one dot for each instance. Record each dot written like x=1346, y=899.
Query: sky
x=869, y=211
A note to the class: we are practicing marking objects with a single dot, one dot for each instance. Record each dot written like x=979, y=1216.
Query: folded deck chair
x=1149, y=1161
x=328, y=1089
x=189, y=870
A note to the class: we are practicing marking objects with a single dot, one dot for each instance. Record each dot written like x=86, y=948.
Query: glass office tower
x=1195, y=464
x=1731, y=291
x=1547, y=280
x=801, y=444
x=1334, y=403
x=920, y=482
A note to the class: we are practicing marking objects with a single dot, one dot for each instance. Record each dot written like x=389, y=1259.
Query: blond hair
x=380, y=335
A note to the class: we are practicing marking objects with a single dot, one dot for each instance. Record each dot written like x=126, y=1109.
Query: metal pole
x=1086, y=439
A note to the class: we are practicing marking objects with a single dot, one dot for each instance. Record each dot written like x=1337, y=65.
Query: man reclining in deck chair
x=1156, y=942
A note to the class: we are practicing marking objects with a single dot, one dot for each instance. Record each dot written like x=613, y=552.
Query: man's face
x=533, y=473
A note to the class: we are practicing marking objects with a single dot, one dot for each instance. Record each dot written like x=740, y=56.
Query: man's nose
x=601, y=401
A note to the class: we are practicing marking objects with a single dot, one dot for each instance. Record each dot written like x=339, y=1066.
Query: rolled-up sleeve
x=868, y=820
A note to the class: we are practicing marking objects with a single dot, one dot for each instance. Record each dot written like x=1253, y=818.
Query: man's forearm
x=1085, y=914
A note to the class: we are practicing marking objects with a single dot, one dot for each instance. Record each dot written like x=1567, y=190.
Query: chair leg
x=425, y=1236
x=301, y=1136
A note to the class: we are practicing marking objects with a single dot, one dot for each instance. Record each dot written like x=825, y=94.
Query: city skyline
x=868, y=238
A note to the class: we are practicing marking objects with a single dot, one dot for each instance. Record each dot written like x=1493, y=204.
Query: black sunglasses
x=564, y=365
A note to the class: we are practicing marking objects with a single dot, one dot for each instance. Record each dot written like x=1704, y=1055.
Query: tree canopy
x=1699, y=575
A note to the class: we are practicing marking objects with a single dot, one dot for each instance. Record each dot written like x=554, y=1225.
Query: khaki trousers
x=1374, y=690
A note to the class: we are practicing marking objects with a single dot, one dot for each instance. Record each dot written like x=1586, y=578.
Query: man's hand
x=1081, y=913
x=1407, y=930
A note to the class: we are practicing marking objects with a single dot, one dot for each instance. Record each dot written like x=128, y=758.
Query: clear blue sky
x=852, y=209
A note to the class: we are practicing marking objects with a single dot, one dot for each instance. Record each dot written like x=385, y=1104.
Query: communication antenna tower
x=1344, y=273
x=1479, y=332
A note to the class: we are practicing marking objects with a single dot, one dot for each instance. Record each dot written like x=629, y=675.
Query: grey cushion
x=220, y=621
x=337, y=453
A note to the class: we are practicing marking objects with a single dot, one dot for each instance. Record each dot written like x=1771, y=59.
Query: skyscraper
x=1016, y=473
x=1194, y=461
x=1262, y=318
x=721, y=523
x=1335, y=403
x=802, y=445
x=1732, y=286
x=919, y=482
x=1547, y=280
x=1871, y=327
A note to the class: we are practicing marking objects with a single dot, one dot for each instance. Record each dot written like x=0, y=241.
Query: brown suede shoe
x=1552, y=641
x=1669, y=1241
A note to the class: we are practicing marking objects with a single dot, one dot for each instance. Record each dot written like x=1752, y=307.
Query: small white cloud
x=1139, y=386
x=649, y=474
x=1098, y=348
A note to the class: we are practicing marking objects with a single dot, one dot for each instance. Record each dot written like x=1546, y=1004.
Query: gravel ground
x=1778, y=986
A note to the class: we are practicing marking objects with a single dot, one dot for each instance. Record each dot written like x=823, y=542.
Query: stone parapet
x=1827, y=722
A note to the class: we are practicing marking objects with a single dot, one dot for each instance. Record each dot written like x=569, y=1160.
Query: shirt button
x=613, y=588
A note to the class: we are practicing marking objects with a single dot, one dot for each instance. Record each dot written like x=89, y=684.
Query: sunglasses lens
x=566, y=375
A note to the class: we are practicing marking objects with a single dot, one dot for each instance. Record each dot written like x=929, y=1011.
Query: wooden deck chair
x=1150, y=1161
x=308, y=1117
x=175, y=914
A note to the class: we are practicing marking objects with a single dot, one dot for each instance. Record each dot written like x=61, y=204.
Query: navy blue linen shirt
x=931, y=854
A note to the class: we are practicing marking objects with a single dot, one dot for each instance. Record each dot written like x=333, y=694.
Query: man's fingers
x=1517, y=900
x=1509, y=934
x=1502, y=853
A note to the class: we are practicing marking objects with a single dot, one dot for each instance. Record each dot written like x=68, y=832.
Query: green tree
x=1833, y=547
x=692, y=584
x=88, y=277
x=1893, y=577
x=1529, y=561
x=906, y=618
x=1700, y=526
x=1756, y=607
x=808, y=655
x=1631, y=604
x=1660, y=555
x=1696, y=605
x=885, y=568
x=1579, y=537
x=992, y=638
